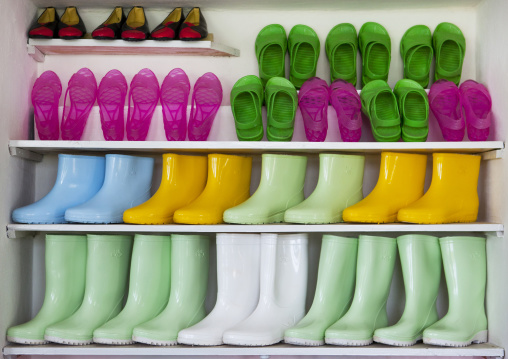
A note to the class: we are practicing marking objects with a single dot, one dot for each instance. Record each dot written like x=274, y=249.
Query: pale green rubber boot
x=281, y=187
x=65, y=262
x=186, y=307
x=334, y=291
x=465, y=267
x=107, y=272
x=339, y=186
x=420, y=258
x=148, y=289
x=374, y=272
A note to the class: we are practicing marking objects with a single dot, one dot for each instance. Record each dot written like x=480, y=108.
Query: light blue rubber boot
x=78, y=179
x=127, y=184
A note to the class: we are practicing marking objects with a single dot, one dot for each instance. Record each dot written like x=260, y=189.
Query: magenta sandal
x=346, y=102
x=313, y=101
x=206, y=100
x=111, y=100
x=144, y=93
x=45, y=97
x=174, y=99
x=477, y=107
x=82, y=91
x=445, y=104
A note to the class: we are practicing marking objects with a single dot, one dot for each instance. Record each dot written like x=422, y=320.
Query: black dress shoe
x=194, y=26
x=168, y=29
x=71, y=26
x=112, y=27
x=45, y=27
x=135, y=28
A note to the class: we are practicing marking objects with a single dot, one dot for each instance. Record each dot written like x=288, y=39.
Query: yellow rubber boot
x=452, y=196
x=228, y=185
x=183, y=180
x=400, y=183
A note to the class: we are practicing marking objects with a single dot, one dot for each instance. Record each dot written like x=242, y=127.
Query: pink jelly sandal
x=313, y=101
x=477, y=107
x=82, y=91
x=347, y=104
x=206, y=100
x=45, y=96
x=144, y=93
x=111, y=100
x=174, y=99
x=445, y=104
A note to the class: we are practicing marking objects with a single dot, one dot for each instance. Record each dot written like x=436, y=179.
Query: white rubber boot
x=282, y=293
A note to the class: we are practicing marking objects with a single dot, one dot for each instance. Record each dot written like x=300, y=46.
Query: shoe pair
x=304, y=48
x=49, y=25
x=418, y=45
x=281, y=102
x=447, y=102
x=401, y=113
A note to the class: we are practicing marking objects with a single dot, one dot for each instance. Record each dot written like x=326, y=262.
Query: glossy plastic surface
x=477, y=108
x=452, y=196
x=127, y=183
x=183, y=180
x=446, y=105
x=375, y=48
x=65, y=263
x=346, y=102
x=107, y=273
x=228, y=185
x=45, y=98
x=78, y=179
x=111, y=100
x=313, y=101
x=304, y=49
x=414, y=110
x=174, y=98
x=400, y=183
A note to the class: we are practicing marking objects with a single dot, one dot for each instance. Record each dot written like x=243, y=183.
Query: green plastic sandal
x=271, y=47
x=380, y=106
x=341, y=47
x=281, y=104
x=246, y=101
x=375, y=47
x=416, y=51
x=414, y=110
x=450, y=48
x=304, y=48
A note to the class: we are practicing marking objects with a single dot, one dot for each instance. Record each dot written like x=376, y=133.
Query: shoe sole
x=478, y=338
x=349, y=342
x=397, y=343
x=275, y=218
x=113, y=341
x=160, y=343
x=303, y=342
x=26, y=341
x=67, y=341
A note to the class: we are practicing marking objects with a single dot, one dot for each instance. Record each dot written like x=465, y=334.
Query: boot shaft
x=283, y=175
x=344, y=169
x=83, y=172
x=230, y=175
x=128, y=173
x=186, y=175
x=456, y=175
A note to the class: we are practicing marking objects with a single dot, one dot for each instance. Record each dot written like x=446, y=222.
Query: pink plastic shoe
x=144, y=93
x=82, y=91
x=206, y=100
x=445, y=103
x=477, y=106
x=313, y=101
x=174, y=99
x=45, y=96
x=346, y=102
x=111, y=100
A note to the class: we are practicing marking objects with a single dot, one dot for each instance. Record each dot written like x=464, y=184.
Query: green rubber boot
x=420, y=257
x=281, y=187
x=465, y=267
x=413, y=104
x=186, y=306
x=374, y=271
x=334, y=291
x=107, y=272
x=148, y=289
x=65, y=262
x=339, y=186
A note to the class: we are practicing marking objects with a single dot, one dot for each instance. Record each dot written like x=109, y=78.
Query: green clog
x=304, y=48
x=281, y=104
x=246, y=101
x=341, y=47
x=450, y=48
x=375, y=47
x=380, y=106
x=271, y=46
x=416, y=51
x=414, y=110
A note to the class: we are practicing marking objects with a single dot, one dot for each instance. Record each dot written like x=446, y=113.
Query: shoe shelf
x=39, y=48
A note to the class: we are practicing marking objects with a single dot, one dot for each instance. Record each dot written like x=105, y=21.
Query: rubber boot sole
x=67, y=341
x=478, y=338
x=26, y=341
x=304, y=342
x=397, y=343
x=349, y=342
x=160, y=343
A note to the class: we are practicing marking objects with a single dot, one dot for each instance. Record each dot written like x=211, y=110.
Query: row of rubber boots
x=262, y=283
x=187, y=196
